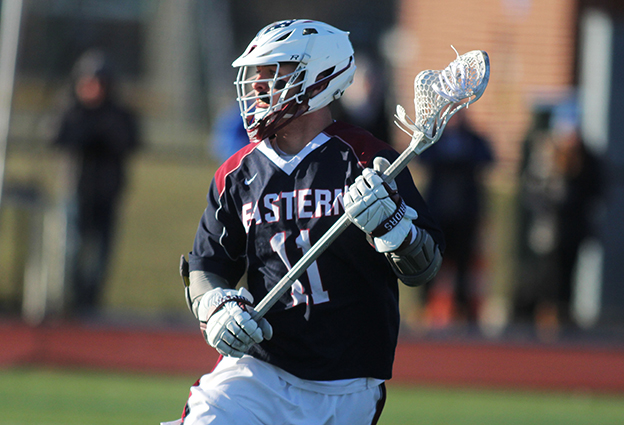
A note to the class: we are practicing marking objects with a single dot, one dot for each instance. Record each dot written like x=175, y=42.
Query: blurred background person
x=534, y=297
x=560, y=187
x=97, y=134
x=455, y=195
x=578, y=205
x=365, y=104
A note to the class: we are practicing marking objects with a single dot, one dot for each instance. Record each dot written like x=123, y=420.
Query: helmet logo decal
x=278, y=25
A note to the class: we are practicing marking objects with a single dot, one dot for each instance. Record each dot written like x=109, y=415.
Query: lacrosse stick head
x=438, y=95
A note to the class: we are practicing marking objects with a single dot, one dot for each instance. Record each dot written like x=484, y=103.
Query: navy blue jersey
x=341, y=318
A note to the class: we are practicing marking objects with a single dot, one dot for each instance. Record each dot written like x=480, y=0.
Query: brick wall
x=531, y=45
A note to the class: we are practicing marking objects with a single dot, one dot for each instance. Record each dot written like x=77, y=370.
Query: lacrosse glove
x=227, y=321
x=377, y=208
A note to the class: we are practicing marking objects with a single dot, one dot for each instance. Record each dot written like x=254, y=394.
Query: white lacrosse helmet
x=316, y=48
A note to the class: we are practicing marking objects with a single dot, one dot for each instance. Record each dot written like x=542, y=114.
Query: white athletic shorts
x=249, y=391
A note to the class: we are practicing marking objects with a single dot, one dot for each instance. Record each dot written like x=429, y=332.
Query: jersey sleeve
x=220, y=240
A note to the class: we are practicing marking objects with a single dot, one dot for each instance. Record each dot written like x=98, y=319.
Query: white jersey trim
x=289, y=166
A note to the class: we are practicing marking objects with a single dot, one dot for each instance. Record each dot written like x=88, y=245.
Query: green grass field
x=51, y=397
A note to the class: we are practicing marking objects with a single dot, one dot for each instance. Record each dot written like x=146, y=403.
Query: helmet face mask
x=315, y=61
x=282, y=92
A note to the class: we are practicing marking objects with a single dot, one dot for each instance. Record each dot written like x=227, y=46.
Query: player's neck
x=296, y=135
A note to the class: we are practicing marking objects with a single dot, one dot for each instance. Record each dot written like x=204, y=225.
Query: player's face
x=90, y=91
x=266, y=86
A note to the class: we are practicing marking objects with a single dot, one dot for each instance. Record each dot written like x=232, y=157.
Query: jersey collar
x=289, y=166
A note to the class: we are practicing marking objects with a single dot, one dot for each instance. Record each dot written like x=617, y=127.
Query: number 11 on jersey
x=318, y=295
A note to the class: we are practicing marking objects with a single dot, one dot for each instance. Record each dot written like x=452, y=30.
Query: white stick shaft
x=330, y=236
x=301, y=266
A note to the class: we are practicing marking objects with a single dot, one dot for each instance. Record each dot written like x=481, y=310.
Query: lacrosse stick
x=438, y=95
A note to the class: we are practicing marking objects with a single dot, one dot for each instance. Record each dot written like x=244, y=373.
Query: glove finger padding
x=375, y=207
x=229, y=325
x=381, y=164
x=263, y=324
x=367, y=202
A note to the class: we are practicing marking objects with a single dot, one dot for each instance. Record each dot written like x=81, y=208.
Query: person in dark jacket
x=98, y=134
x=455, y=196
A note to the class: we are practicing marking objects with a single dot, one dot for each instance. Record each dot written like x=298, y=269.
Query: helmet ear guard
x=317, y=48
x=334, y=91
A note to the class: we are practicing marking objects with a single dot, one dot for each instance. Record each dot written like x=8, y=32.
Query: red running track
x=457, y=363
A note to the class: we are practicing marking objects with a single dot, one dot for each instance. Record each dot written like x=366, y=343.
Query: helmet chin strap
x=278, y=121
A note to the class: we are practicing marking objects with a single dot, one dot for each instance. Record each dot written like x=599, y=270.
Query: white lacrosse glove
x=226, y=320
x=377, y=209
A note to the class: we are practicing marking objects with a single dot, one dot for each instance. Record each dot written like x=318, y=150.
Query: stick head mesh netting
x=438, y=95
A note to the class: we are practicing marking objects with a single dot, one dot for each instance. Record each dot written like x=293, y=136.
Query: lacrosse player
x=322, y=353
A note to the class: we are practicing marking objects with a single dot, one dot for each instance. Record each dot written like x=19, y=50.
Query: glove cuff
x=395, y=218
x=396, y=239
